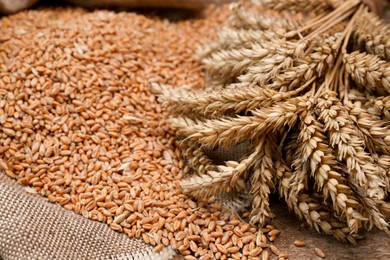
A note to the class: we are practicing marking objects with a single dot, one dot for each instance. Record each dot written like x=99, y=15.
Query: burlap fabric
x=32, y=228
x=13, y=6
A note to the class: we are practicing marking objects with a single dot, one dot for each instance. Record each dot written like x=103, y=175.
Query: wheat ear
x=368, y=71
x=225, y=179
x=349, y=145
x=316, y=6
x=226, y=131
x=262, y=181
x=237, y=38
x=195, y=157
x=372, y=34
x=231, y=63
x=380, y=107
x=247, y=20
x=375, y=133
x=310, y=60
x=216, y=103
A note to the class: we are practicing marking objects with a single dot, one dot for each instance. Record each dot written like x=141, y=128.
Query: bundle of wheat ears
x=309, y=94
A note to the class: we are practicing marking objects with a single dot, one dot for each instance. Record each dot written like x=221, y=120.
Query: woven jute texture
x=13, y=6
x=32, y=228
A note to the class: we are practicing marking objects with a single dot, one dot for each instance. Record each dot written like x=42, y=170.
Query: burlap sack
x=13, y=6
x=32, y=228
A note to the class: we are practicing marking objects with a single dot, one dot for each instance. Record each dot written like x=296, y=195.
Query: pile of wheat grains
x=79, y=124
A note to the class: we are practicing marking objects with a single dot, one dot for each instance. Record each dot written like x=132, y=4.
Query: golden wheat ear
x=369, y=71
x=315, y=6
x=318, y=160
x=230, y=38
x=292, y=64
x=348, y=143
x=262, y=182
x=372, y=34
x=380, y=106
x=192, y=152
x=248, y=20
x=374, y=130
x=311, y=207
x=227, y=64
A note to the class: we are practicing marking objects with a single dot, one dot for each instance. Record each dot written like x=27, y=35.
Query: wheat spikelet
x=216, y=103
x=372, y=35
x=230, y=63
x=380, y=106
x=368, y=71
x=280, y=70
x=247, y=20
x=195, y=157
x=375, y=132
x=226, y=131
x=345, y=139
x=356, y=95
x=261, y=185
x=316, y=6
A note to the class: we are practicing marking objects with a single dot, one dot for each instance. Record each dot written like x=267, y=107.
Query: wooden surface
x=376, y=245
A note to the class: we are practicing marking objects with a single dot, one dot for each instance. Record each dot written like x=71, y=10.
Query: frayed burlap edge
x=32, y=228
